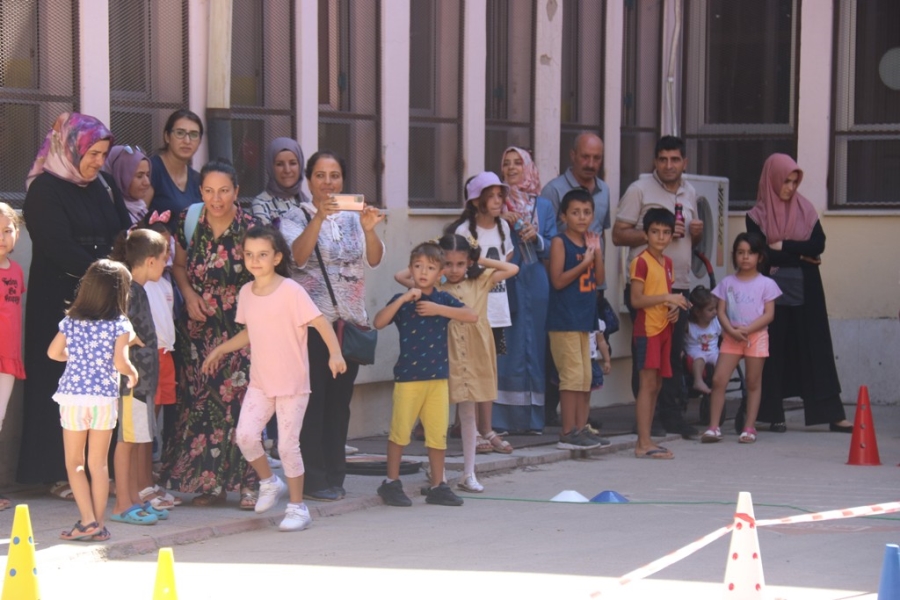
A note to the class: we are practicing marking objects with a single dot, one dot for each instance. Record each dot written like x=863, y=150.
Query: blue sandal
x=80, y=532
x=136, y=515
x=161, y=513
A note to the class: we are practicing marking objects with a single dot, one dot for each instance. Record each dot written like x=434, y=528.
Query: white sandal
x=470, y=484
x=158, y=498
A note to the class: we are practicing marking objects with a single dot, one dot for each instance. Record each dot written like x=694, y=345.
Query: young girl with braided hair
x=481, y=221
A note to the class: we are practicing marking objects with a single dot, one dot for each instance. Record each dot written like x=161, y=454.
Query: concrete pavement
x=516, y=530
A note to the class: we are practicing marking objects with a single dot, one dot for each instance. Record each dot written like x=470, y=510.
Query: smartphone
x=355, y=202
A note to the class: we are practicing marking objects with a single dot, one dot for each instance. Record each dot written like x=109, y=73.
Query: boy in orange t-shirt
x=657, y=309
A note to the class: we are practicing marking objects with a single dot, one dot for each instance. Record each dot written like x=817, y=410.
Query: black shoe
x=778, y=427
x=443, y=495
x=840, y=428
x=340, y=491
x=681, y=427
x=392, y=493
x=326, y=495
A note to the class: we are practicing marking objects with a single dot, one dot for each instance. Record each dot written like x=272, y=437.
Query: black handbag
x=357, y=342
x=790, y=282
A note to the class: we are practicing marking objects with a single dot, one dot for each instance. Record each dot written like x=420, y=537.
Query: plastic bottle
x=526, y=249
x=679, y=215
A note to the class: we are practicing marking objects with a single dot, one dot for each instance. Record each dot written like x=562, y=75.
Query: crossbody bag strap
x=322, y=267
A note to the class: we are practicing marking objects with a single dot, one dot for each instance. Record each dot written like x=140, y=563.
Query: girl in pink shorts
x=746, y=307
x=276, y=312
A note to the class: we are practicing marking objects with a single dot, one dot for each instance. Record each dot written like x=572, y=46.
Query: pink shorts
x=757, y=346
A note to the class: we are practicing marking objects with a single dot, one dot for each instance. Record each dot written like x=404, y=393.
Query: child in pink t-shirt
x=276, y=312
x=12, y=286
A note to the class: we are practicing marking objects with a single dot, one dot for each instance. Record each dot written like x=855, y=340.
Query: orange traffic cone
x=744, y=578
x=863, y=446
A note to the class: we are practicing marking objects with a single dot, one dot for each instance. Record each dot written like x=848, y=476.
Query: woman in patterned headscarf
x=73, y=216
x=521, y=372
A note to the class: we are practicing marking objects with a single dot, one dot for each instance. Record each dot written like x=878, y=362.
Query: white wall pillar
x=547, y=85
x=198, y=59
x=306, y=93
x=93, y=68
x=814, y=105
x=395, y=102
x=612, y=99
x=474, y=73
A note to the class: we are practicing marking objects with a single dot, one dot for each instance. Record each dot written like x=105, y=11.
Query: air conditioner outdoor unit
x=712, y=209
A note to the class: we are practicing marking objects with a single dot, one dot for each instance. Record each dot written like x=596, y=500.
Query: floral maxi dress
x=201, y=454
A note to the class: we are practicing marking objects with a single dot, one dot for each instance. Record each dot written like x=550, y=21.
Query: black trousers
x=672, y=399
x=327, y=418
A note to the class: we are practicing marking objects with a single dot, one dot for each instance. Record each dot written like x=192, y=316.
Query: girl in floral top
x=201, y=456
x=93, y=341
x=347, y=243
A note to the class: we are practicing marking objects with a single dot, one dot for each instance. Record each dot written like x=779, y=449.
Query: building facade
x=420, y=94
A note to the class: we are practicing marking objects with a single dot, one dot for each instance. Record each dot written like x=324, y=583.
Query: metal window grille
x=350, y=91
x=262, y=85
x=866, y=123
x=640, y=83
x=509, y=110
x=739, y=100
x=582, y=73
x=435, y=103
x=148, y=68
x=38, y=81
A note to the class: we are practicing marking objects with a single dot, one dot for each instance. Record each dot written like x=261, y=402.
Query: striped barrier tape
x=685, y=551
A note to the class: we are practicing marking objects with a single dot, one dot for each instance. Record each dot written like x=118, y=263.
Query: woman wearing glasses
x=130, y=167
x=176, y=185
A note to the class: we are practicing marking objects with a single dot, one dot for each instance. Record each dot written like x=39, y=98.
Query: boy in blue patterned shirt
x=420, y=375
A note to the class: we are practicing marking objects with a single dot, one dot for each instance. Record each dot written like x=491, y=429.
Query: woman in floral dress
x=201, y=455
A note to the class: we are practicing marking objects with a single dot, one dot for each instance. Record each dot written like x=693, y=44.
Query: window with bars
x=350, y=91
x=866, y=123
x=262, y=85
x=148, y=68
x=740, y=88
x=640, y=88
x=509, y=113
x=435, y=100
x=38, y=81
x=582, y=73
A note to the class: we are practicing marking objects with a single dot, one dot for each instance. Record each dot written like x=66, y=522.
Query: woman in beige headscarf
x=801, y=358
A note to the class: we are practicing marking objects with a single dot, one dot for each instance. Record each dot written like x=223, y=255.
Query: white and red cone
x=744, y=572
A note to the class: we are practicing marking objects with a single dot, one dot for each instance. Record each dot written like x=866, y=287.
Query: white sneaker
x=296, y=518
x=269, y=493
x=470, y=484
x=350, y=450
x=274, y=463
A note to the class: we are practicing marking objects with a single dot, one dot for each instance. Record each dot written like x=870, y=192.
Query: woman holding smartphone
x=347, y=244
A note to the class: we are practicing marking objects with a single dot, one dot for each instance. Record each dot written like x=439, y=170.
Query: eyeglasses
x=125, y=149
x=182, y=133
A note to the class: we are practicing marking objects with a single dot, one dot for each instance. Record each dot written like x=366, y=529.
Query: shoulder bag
x=357, y=342
x=790, y=282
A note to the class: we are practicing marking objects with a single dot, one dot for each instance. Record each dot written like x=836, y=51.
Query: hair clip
x=160, y=218
x=472, y=242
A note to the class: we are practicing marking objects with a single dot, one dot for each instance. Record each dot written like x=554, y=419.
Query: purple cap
x=483, y=180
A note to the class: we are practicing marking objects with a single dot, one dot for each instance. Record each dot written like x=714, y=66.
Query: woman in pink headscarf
x=521, y=372
x=73, y=215
x=801, y=358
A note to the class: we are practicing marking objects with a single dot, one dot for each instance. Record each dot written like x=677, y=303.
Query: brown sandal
x=208, y=499
x=249, y=499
